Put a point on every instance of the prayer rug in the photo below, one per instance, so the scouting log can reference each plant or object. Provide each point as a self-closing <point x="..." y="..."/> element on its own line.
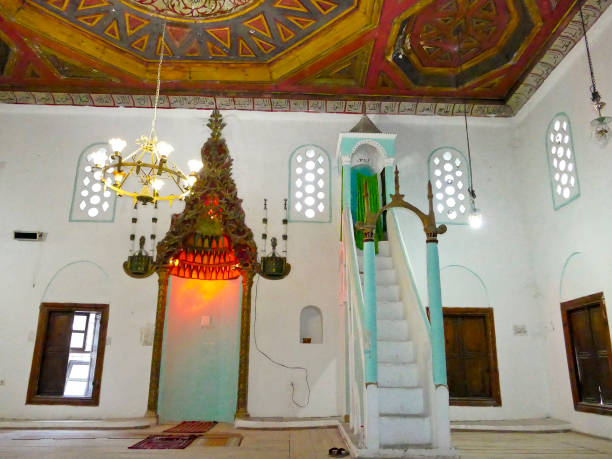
<point x="221" y="440"/>
<point x="165" y="442"/>
<point x="192" y="427"/>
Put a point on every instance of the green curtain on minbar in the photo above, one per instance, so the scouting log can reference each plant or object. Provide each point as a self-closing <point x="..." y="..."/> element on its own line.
<point x="374" y="200"/>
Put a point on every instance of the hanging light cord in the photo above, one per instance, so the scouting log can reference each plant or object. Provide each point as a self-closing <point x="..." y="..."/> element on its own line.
<point x="279" y="363"/>
<point x="467" y="134"/>
<point x="159" y="66"/>
<point x="467" y="138"/>
<point x="595" y="97"/>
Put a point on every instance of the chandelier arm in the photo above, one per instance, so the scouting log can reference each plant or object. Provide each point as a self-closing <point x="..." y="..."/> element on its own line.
<point x="171" y="171"/>
<point x="135" y="154"/>
<point x="178" y="184"/>
<point x="170" y="166"/>
<point x="132" y="167"/>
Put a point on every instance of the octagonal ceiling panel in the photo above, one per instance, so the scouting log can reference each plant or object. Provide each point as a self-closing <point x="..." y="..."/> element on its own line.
<point x="406" y="56"/>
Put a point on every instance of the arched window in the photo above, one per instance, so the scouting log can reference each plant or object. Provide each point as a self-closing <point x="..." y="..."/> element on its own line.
<point x="311" y="325"/>
<point x="90" y="201"/>
<point x="561" y="158"/>
<point x="449" y="176"/>
<point x="309" y="185"/>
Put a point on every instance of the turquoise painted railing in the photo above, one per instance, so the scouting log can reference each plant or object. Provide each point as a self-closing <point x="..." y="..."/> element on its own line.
<point x="392" y="213"/>
<point x="359" y="356"/>
<point x="438" y="354"/>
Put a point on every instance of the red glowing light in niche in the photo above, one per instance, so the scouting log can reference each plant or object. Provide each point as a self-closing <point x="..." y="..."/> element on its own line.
<point x="205" y="258"/>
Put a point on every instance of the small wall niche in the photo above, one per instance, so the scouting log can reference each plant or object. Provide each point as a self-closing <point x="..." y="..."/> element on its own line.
<point x="311" y="325"/>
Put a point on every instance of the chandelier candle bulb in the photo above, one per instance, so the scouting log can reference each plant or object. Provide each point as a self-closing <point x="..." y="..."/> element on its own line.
<point x="194" y="165"/>
<point x="164" y="148"/>
<point x="99" y="157"/>
<point x="117" y="144"/>
<point x="158" y="184"/>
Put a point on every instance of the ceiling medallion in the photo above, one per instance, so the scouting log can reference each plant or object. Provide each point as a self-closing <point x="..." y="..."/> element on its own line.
<point x="193" y="9"/>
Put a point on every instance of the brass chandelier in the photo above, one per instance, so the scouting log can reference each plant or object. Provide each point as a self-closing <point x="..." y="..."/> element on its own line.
<point x="144" y="172"/>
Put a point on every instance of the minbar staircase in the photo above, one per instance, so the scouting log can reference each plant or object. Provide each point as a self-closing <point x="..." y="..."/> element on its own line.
<point x="403" y="418"/>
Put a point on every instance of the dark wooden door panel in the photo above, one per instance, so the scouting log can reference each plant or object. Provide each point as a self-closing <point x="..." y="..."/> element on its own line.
<point x="473" y="334"/>
<point x="587" y="343"/>
<point x="455" y="377"/>
<point x="477" y="377"/>
<point x="54" y="363"/>
<point x="471" y="360"/>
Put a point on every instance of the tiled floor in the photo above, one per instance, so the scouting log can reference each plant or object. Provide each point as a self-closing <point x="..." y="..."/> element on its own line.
<point x="282" y="444"/>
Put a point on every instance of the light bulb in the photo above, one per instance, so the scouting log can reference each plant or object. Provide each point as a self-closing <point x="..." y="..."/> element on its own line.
<point x="601" y="130"/>
<point x="157" y="184"/>
<point x="475" y="218"/>
<point x="194" y="165"/>
<point x="99" y="157"/>
<point x="117" y="144"/>
<point x="164" y="148"/>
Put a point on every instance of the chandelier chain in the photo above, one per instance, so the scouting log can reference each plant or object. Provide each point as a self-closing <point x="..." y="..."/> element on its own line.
<point x="159" y="66"/>
<point x="588" y="51"/>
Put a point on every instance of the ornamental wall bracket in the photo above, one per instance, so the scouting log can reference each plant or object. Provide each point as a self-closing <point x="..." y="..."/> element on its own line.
<point x="428" y="220"/>
<point x="273" y="267"/>
<point x="139" y="265"/>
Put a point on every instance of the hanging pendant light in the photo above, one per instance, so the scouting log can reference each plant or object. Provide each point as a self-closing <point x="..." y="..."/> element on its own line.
<point x="143" y="173"/>
<point x="475" y="216"/>
<point x="600" y="126"/>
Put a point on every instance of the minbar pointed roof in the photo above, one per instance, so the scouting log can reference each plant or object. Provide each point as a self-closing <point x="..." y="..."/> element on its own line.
<point x="366" y="126"/>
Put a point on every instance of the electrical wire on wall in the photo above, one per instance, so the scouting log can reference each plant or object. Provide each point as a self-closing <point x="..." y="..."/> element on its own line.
<point x="276" y="362"/>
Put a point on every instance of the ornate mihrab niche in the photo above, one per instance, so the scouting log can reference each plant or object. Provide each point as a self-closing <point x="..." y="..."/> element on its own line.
<point x="193" y="9"/>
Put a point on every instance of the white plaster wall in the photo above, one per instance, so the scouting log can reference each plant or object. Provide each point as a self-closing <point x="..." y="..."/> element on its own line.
<point x="517" y="254"/>
<point x="39" y="153"/>
<point x="582" y="226"/>
<point x="497" y="253"/>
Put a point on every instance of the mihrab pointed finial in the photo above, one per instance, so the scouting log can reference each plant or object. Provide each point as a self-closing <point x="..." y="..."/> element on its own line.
<point x="396" y="180"/>
<point x="216" y="124"/>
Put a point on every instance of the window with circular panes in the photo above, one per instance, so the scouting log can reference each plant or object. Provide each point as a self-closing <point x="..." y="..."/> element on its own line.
<point x="561" y="158"/>
<point x="309" y="185"/>
<point x="449" y="176"/>
<point x="90" y="201"/>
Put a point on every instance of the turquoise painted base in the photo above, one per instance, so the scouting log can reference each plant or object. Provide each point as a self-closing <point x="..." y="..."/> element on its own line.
<point x="199" y="373"/>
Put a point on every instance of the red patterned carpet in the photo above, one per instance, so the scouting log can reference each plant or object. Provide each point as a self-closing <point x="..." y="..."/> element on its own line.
<point x="192" y="427"/>
<point x="165" y="442"/>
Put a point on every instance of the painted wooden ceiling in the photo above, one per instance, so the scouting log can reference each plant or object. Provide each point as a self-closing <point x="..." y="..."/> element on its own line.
<point x="395" y="56"/>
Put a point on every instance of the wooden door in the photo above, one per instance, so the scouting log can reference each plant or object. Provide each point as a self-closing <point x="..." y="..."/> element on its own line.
<point x="471" y="358"/>
<point x="587" y="340"/>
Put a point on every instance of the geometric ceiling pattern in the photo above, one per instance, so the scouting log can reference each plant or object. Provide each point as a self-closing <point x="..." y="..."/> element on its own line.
<point x="400" y="56"/>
